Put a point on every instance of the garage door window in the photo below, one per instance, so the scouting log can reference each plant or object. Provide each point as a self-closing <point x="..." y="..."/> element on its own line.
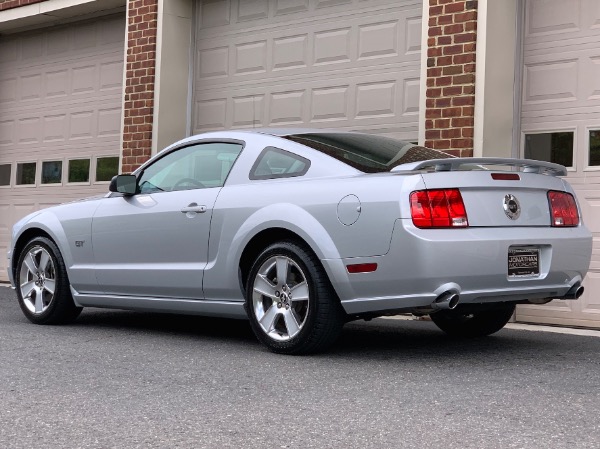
<point x="106" y="168"/>
<point x="594" y="148"/>
<point x="51" y="172"/>
<point x="5" y="174"/>
<point x="79" y="170"/>
<point x="26" y="173"/>
<point x="554" y="147"/>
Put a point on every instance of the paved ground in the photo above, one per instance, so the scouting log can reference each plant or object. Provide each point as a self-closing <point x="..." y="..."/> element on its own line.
<point x="129" y="380"/>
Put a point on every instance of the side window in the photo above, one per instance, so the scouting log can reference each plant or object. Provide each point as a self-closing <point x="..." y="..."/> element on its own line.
<point x="195" y="167"/>
<point x="275" y="163"/>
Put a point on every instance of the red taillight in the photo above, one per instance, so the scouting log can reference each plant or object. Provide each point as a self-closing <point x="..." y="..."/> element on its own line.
<point x="563" y="209"/>
<point x="439" y="208"/>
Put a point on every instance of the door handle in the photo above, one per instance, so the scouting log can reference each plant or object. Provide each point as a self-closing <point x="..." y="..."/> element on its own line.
<point x="193" y="207"/>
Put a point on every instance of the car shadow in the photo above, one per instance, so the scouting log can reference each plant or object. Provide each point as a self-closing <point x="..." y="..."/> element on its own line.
<point x="180" y="326"/>
<point x="412" y="338"/>
<point x="379" y="338"/>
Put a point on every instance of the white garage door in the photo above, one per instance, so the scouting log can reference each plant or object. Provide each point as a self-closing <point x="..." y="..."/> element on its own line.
<point x="561" y="123"/>
<point x="60" y="116"/>
<point x="350" y="64"/>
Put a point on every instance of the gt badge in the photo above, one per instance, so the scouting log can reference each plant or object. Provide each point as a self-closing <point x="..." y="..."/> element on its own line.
<point x="512" y="208"/>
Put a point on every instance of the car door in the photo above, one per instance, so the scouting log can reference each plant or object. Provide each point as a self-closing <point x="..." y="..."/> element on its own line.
<point x="155" y="243"/>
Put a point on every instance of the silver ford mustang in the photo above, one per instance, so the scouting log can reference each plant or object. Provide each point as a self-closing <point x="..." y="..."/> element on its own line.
<point x="303" y="230"/>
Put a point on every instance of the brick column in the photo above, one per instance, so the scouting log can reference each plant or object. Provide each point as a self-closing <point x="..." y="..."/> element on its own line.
<point x="450" y="95"/>
<point x="8" y="4"/>
<point x="138" y="109"/>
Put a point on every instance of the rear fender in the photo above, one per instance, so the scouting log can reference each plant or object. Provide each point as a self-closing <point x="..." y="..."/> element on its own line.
<point x="226" y="253"/>
<point x="299" y="222"/>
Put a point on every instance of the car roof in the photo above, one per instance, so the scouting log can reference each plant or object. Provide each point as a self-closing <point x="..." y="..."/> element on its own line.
<point x="281" y="132"/>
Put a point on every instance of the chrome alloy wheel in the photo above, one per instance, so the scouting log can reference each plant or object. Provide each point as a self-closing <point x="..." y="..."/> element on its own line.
<point x="280" y="298"/>
<point x="37" y="280"/>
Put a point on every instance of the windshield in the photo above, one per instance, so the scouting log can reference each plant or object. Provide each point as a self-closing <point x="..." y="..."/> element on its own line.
<point x="365" y="152"/>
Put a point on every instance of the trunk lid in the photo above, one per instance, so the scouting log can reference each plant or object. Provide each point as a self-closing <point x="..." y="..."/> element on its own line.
<point x="500" y="202"/>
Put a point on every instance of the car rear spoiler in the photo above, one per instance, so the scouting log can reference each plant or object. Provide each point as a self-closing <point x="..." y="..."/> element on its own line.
<point x="455" y="164"/>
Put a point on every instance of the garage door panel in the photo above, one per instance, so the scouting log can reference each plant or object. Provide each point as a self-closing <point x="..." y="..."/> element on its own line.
<point x="591" y="76"/>
<point x="566" y="80"/>
<point x="96" y="123"/>
<point x="561" y="92"/>
<point x="391" y="38"/>
<point x="63" y="148"/>
<point x="552" y="16"/>
<point x="88" y="81"/>
<point x="60" y="100"/>
<point x="365" y="100"/>
<point x="218" y="16"/>
<point x="551" y="81"/>
<point x="590" y="305"/>
<point x="8" y="91"/>
<point x="548" y="19"/>
<point x="583" y="312"/>
<point x="556" y="308"/>
<point x="352" y="64"/>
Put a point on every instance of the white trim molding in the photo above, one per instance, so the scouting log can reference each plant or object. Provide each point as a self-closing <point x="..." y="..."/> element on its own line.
<point x="55" y="12"/>
<point x="497" y="45"/>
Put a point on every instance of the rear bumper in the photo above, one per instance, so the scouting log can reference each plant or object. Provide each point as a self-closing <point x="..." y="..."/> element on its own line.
<point x="424" y="263"/>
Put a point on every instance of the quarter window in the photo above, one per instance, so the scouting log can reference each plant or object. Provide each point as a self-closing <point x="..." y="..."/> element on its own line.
<point x="26" y="173"/>
<point x="197" y="166"/>
<point x="276" y="163"/>
<point x="51" y="172"/>
<point x="5" y="174"/>
<point x="554" y="147"/>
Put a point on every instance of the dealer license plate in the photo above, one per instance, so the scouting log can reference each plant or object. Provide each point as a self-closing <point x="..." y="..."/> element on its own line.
<point x="523" y="262"/>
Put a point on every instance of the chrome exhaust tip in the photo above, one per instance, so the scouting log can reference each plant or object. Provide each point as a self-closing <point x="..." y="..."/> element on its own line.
<point x="575" y="292"/>
<point x="446" y="301"/>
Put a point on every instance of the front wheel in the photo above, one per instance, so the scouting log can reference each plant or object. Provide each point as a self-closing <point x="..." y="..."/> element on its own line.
<point x="473" y="323"/>
<point x="42" y="284"/>
<point x="290" y="303"/>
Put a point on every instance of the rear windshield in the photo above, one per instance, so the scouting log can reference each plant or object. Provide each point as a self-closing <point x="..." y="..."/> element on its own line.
<point x="365" y="152"/>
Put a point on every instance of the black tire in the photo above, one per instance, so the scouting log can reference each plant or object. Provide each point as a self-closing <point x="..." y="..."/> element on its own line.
<point x="471" y="323"/>
<point x="320" y="317"/>
<point x="55" y="308"/>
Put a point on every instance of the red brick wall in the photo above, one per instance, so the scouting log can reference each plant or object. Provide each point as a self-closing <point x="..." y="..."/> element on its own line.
<point x="138" y="109"/>
<point x="450" y="95"/>
<point x="8" y="4"/>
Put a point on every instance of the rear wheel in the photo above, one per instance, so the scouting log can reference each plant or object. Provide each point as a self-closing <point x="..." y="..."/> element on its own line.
<point x="473" y="323"/>
<point x="42" y="284"/>
<point x="290" y="303"/>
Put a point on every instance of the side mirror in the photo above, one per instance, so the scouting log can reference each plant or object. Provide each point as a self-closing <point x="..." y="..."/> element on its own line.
<point x="125" y="184"/>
